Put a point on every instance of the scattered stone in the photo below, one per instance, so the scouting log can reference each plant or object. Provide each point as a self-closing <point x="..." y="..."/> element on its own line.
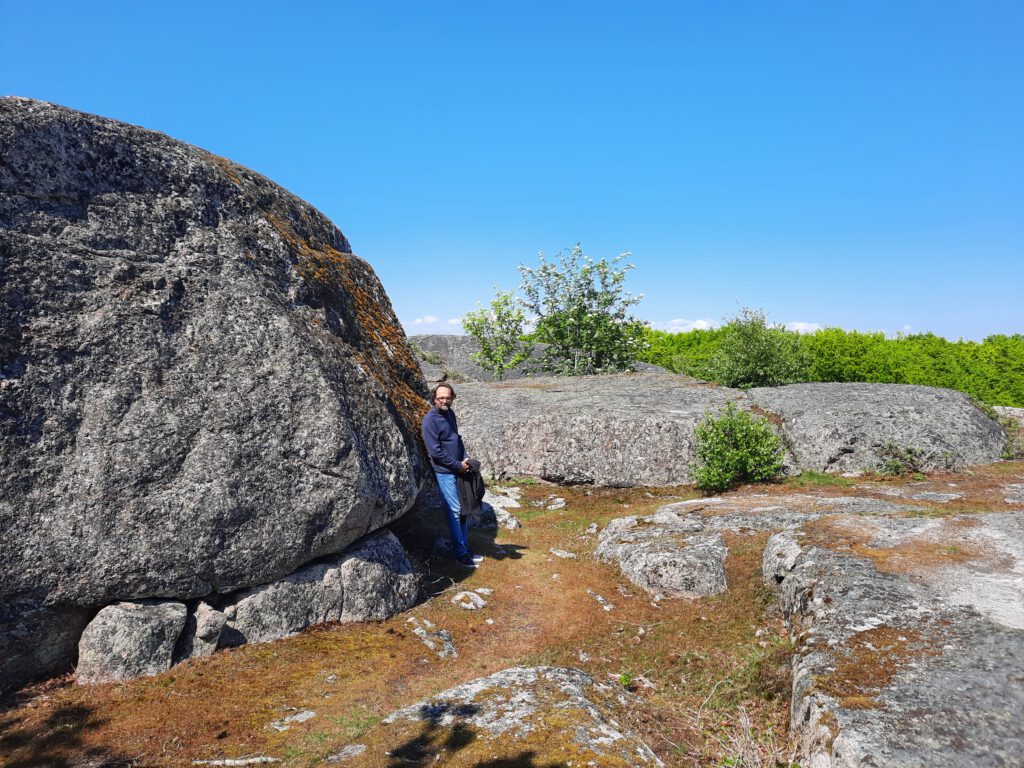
<point x="556" y="503"/>
<point x="469" y="601"/>
<point x="440" y="641"/>
<point x="605" y="603"/>
<point x="496" y="508"/>
<point x="130" y="639"/>
<point x="352" y="750"/>
<point x="562" y="553"/>
<point x="666" y="553"/>
<point x="371" y="580"/>
<point x="202" y="633"/>
<point x="484" y="591"/>
<point x="239" y="761"/>
<point x="559" y="716"/>
<point x="592" y="529"/>
<point x="299" y="717"/>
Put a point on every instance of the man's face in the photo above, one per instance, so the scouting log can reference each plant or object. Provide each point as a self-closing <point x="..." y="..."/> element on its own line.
<point x="443" y="399"/>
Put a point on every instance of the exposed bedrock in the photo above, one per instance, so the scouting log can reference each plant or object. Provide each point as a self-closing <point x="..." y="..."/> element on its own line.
<point x="519" y="716"/>
<point x="847" y="427"/>
<point x="201" y="387"/>
<point x="909" y="652"/>
<point x="637" y="429"/>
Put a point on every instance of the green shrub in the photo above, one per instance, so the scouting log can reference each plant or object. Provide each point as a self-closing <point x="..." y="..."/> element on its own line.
<point x="735" y="447"/>
<point x="753" y="353"/>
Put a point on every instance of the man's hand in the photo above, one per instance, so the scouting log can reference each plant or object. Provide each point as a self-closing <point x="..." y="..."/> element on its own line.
<point x="464" y="466"/>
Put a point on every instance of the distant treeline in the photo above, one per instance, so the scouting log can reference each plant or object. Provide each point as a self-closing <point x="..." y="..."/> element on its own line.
<point x="991" y="371"/>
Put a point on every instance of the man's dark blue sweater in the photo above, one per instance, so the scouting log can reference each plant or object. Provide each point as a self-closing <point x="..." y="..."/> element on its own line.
<point x="444" y="446"/>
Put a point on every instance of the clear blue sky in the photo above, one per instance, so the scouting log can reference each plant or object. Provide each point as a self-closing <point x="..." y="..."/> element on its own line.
<point x="858" y="164"/>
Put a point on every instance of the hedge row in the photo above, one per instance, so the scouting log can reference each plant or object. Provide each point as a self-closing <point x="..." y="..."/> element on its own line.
<point x="991" y="371"/>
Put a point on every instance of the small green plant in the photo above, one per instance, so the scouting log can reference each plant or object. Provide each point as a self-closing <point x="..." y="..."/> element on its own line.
<point x="735" y="447"/>
<point x="897" y="460"/>
<point x="1014" y="448"/>
<point x="428" y="357"/>
<point x="625" y="679"/>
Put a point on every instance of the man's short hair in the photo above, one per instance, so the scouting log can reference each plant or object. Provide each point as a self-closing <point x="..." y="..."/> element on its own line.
<point x="442" y="385"/>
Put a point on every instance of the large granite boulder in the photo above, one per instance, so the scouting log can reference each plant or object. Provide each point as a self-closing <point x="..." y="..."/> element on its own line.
<point x="450" y="356"/>
<point x="201" y="387"/>
<point x="616" y="430"/>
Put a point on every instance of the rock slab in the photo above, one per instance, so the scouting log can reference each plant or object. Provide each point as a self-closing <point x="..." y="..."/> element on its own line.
<point x="201" y="387"/>
<point x="894" y="669"/>
<point x="371" y="580"/>
<point x="519" y="716"/>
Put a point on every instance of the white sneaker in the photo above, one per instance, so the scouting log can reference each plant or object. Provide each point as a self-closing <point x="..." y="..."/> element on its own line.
<point x="478" y="559"/>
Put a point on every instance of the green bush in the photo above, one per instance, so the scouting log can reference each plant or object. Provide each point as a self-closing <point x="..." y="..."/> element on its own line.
<point x="735" y="447"/>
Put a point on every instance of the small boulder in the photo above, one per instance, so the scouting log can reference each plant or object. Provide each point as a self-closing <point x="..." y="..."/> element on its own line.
<point x="130" y="639"/>
<point x="666" y="554"/>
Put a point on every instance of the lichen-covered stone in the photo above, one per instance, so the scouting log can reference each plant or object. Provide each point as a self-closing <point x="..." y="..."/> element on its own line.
<point x="201" y="387"/>
<point x="519" y="716"/>
<point x="371" y="580"/>
<point x="846" y="427"/>
<point x="129" y="639"/>
<point x="666" y="554"/>
<point x="201" y="634"/>
<point x="900" y="668"/>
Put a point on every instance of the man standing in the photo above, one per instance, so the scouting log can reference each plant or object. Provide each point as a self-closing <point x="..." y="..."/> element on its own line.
<point x="448" y="458"/>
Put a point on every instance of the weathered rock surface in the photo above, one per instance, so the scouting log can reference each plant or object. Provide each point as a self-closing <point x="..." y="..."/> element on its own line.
<point x="129" y="639"/>
<point x="371" y="580"/>
<point x="519" y="716"/>
<point x="666" y="553"/>
<point x="843" y="427"/>
<point x="637" y="429"/>
<point x="904" y="654"/>
<point x="618" y="430"/>
<point x="201" y="387"/>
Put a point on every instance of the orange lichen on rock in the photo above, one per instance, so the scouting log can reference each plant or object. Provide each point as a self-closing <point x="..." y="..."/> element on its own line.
<point x="869" y="663"/>
<point x="949" y="545"/>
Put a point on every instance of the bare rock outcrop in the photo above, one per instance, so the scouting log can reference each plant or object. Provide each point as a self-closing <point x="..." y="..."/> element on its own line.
<point x="909" y="639"/>
<point x="519" y="716"/>
<point x="638" y="429"/>
<point x="856" y="427"/>
<point x="666" y="553"/>
<point x="201" y="387"/>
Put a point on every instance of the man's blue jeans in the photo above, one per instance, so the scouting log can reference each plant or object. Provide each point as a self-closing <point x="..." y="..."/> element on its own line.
<point x="458" y="526"/>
